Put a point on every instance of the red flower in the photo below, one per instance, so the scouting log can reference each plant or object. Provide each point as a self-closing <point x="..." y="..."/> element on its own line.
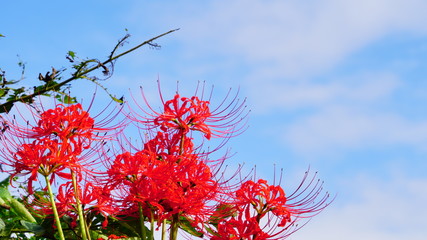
<point x="184" y="114"/>
<point x="42" y="156"/>
<point x="65" y="122"/>
<point x="239" y="229"/>
<point x="62" y="138"/>
<point x="262" y="211"/>
<point x="181" y="115"/>
<point x="264" y="198"/>
<point x="169" y="144"/>
<point x="94" y="199"/>
<point x="175" y="184"/>
<point x="112" y="236"/>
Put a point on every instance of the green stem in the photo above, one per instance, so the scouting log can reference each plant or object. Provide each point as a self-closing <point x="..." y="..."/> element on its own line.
<point x="82" y="221"/>
<point x="142" y="222"/>
<point x="164" y="230"/>
<point x="55" y="211"/>
<point x="174" y="227"/>
<point x="152" y="226"/>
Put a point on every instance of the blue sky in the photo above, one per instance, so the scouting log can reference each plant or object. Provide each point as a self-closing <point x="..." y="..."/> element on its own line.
<point x="336" y="85"/>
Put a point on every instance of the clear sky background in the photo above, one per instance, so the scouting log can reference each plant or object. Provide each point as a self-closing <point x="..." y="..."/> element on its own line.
<point x="337" y="85"/>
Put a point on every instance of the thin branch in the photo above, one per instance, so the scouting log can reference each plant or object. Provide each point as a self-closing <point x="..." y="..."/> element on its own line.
<point x="83" y="73"/>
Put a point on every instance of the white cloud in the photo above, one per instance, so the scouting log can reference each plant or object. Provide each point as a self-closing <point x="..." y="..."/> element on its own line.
<point x="383" y="210"/>
<point x="366" y="88"/>
<point x="329" y="118"/>
<point x="285" y="43"/>
<point x="298" y="37"/>
<point x="338" y="128"/>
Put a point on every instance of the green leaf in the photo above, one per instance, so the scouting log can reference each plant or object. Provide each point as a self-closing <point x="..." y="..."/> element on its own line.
<point x="6" y="107"/>
<point x="210" y="230"/>
<point x="64" y="98"/>
<point x="5" y="194"/>
<point x="185" y="225"/>
<point x="21" y="210"/>
<point x="2" y="225"/>
<point x="96" y="235"/>
<point x="5" y="183"/>
<point x="124" y="225"/>
<point x="3" y="203"/>
<point x="71" y="54"/>
<point x="10" y="225"/>
<point x="33" y="227"/>
<point x="18" y="91"/>
<point x="47" y="224"/>
<point x="222" y="211"/>
<point x="1" y="35"/>
<point x="52" y="84"/>
<point x="3" y="92"/>
<point x="119" y="100"/>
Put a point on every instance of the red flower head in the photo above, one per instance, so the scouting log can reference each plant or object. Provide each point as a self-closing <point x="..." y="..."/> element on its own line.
<point x="65" y="122"/>
<point x="182" y="115"/>
<point x="58" y="143"/>
<point x="112" y="236"/>
<point x="264" y="198"/>
<point x="94" y="198"/>
<point x="173" y="184"/>
<point x="239" y="229"/>
<point x="42" y="156"/>
<point x="262" y="211"/>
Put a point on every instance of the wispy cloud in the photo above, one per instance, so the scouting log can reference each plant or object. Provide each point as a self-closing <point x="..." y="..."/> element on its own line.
<point x="381" y="210"/>
<point x="287" y="44"/>
<point x="361" y="89"/>
<point x="339" y="128"/>
<point x="298" y="37"/>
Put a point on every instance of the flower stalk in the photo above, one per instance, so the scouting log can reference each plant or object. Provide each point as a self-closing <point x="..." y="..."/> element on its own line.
<point x="82" y="221"/>
<point x="174" y="227"/>
<point x="54" y="209"/>
<point x="142" y="222"/>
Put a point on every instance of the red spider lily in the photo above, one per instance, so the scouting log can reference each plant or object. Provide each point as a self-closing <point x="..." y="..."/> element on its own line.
<point x="48" y="157"/>
<point x="170" y="177"/>
<point x="112" y="236"/>
<point x="239" y="229"/>
<point x="42" y="156"/>
<point x="62" y="137"/>
<point x="65" y="122"/>
<point x="184" y="114"/>
<point x="181" y="115"/>
<point x="69" y="124"/>
<point x="65" y="204"/>
<point x="95" y="199"/>
<point x="175" y="184"/>
<point x="264" y="198"/>
<point x="262" y="211"/>
<point x="165" y="143"/>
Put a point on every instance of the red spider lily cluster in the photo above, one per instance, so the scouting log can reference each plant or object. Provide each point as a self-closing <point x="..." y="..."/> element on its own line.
<point x="170" y="182"/>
